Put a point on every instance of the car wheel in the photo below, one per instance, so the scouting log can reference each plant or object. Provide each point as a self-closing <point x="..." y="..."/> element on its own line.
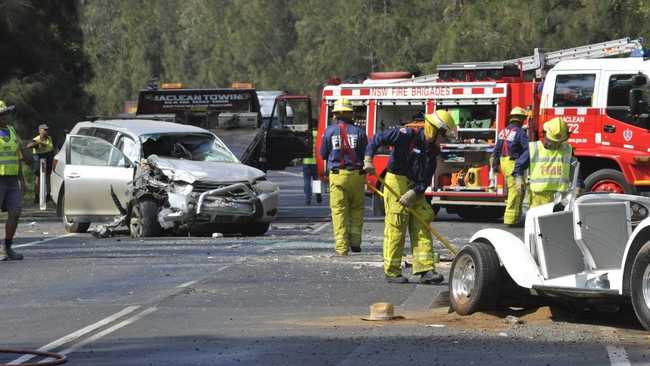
<point x="256" y="229"/>
<point x="144" y="219"/>
<point x="608" y="180"/>
<point x="474" y="279"/>
<point x="640" y="285"/>
<point x="71" y="226"/>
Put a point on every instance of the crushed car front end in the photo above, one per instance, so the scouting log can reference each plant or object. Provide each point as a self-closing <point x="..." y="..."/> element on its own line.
<point x="189" y="196"/>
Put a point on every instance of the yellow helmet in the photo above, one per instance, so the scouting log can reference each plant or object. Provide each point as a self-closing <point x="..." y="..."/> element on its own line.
<point x="556" y="130"/>
<point x="518" y="114"/>
<point x="342" y="105"/>
<point x="440" y="119"/>
<point x="4" y="108"/>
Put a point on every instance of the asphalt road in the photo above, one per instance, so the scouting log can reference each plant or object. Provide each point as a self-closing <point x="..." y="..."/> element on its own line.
<point x="280" y="299"/>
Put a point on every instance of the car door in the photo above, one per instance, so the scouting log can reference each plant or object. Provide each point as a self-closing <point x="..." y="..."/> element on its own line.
<point x="93" y="168"/>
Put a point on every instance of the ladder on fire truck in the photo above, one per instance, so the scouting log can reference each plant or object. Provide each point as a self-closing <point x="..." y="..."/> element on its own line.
<point x="541" y="60"/>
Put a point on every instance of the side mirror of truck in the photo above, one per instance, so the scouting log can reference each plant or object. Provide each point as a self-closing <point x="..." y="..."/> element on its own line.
<point x="639" y="80"/>
<point x="637" y="104"/>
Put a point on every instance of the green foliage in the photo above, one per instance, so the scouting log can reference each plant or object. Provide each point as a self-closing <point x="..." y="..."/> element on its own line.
<point x="43" y="67"/>
<point x="276" y="44"/>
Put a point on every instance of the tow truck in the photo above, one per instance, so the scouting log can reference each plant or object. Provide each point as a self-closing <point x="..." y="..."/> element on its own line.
<point x="234" y="114"/>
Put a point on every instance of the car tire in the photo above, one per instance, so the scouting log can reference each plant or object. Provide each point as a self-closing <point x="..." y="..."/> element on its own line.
<point x="255" y="229"/>
<point x="601" y="180"/>
<point x="474" y="280"/>
<point x="69" y="225"/>
<point x="640" y="285"/>
<point x="144" y="219"/>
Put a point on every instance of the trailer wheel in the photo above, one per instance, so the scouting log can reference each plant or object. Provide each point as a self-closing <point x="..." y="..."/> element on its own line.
<point x="608" y="180"/>
<point x="474" y="279"/>
<point x="144" y="219"/>
<point x="640" y="285"/>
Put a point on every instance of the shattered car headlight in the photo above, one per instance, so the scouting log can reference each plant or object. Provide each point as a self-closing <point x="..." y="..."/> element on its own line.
<point x="264" y="186"/>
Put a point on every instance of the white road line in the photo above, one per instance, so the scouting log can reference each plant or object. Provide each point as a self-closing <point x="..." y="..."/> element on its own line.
<point x="289" y="173"/>
<point x="320" y="228"/>
<point x="617" y="356"/>
<point x="32" y="243"/>
<point x="77" y="334"/>
<point x="187" y="284"/>
<point x="108" y="331"/>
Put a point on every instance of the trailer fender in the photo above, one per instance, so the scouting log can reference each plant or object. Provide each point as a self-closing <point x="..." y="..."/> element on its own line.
<point x="513" y="255"/>
<point x="638" y="238"/>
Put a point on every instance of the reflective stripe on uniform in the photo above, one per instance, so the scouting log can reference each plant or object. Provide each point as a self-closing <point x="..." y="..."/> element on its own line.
<point x="9" y="158"/>
<point x="549" y="169"/>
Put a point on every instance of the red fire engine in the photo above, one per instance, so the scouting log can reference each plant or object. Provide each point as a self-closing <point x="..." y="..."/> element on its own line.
<point x="604" y="101"/>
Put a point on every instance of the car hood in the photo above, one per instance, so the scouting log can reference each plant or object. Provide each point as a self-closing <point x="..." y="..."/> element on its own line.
<point x="211" y="171"/>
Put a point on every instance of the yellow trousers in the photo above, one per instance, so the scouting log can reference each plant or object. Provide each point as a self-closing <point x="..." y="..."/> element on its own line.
<point x="347" y="196"/>
<point x="398" y="221"/>
<point x="515" y="197"/>
<point x="541" y="198"/>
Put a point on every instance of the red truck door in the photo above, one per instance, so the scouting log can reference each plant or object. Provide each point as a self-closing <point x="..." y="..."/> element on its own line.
<point x="619" y="128"/>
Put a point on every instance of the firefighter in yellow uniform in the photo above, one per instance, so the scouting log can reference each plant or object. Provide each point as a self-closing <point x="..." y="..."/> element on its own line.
<point x="410" y="169"/>
<point x="511" y="147"/>
<point x="550" y="163"/>
<point x="342" y="147"/>
<point x="12" y="181"/>
<point x="42" y="148"/>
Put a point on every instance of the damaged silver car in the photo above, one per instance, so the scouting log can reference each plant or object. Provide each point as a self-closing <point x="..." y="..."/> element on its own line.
<point x="153" y="177"/>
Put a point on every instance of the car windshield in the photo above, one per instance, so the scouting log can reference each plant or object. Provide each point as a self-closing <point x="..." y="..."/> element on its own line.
<point x="196" y="146"/>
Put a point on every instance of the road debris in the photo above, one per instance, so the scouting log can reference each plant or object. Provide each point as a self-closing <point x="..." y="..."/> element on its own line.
<point x="511" y="319"/>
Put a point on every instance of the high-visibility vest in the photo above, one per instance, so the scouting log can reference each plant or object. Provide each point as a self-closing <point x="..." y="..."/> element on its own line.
<point x="9" y="154"/>
<point x="550" y="170"/>
<point x="311" y="159"/>
<point x="46" y="147"/>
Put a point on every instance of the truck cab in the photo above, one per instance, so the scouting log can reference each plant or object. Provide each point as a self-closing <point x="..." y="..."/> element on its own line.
<point x="604" y="102"/>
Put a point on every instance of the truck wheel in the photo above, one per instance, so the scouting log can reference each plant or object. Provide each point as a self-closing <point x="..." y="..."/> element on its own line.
<point x="474" y="279"/>
<point x="608" y="180"/>
<point x="255" y="229"/>
<point x="144" y="220"/>
<point x="69" y="224"/>
<point x="640" y="285"/>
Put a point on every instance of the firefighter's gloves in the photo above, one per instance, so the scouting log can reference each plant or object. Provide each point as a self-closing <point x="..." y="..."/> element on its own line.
<point x="519" y="183"/>
<point x="368" y="166"/>
<point x="408" y="198"/>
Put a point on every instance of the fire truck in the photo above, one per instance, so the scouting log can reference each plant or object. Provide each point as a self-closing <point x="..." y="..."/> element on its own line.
<point x="603" y="100"/>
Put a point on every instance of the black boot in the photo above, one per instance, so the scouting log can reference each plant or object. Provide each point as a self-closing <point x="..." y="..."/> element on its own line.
<point x="319" y="198"/>
<point x="430" y="277"/>
<point x="10" y="253"/>
<point x="356" y="249"/>
<point x="397" y="279"/>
